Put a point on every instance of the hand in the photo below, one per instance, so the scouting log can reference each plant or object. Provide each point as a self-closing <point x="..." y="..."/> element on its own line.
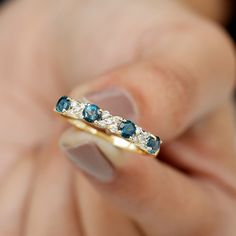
<point x="174" y="73"/>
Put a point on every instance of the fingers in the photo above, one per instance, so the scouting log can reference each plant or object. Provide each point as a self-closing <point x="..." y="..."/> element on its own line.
<point x="167" y="97"/>
<point x="182" y="73"/>
<point x="173" y="93"/>
<point x="161" y="200"/>
<point x="164" y="104"/>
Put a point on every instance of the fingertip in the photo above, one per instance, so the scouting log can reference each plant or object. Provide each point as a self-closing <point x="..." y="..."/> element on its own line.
<point x="92" y="155"/>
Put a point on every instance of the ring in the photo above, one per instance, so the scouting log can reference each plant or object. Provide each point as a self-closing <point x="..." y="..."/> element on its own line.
<point x="120" y="132"/>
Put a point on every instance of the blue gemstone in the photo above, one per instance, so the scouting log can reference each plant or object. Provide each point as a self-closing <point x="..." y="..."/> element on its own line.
<point x="154" y="144"/>
<point x="91" y="113"/>
<point x="63" y="104"/>
<point x="127" y="128"/>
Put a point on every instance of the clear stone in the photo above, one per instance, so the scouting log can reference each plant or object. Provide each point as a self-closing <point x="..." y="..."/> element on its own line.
<point x="142" y="139"/>
<point x="80" y="110"/>
<point x="143" y="136"/>
<point x="117" y="119"/>
<point x="114" y="125"/>
<point x="113" y="128"/>
<point x="74" y="104"/>
<point x="139" y="135"/>
<point x="101" y="123"/>
<point x="144" y="146"/>
<point x="135" y="139"/>
<point x="139" y="130"/>
<point x="110" y="122"/>
<point x="76" y="109"/>
<point x="104" y="123"/>
<point x="105" y="114"/>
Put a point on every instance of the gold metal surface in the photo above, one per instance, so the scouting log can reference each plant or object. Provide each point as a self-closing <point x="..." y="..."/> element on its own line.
<point x="115" y="140"/>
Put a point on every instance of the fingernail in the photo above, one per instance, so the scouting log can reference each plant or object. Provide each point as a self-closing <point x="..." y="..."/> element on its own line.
<point x="116" y="101"/>
<point x="91" y="160"/>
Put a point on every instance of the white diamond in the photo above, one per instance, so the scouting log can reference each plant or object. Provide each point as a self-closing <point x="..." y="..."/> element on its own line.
<point x="143" y="146"/>
<point x="101" y="123"/>
<point x="76" y="109"/>
<point x="142" y="137"/>
<point x="104" y="122"/>
<point x="117" y="119"/>
<point x="109" y="121"/>
<point x="135" y="139"/>
<point x="105" y="114"/>
<point x="113" y="128"/>
<point x="74" y="104"/>
<point x="139" y="130"/>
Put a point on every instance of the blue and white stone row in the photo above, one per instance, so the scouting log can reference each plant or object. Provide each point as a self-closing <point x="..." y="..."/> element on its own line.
<point x="116" y="125"/>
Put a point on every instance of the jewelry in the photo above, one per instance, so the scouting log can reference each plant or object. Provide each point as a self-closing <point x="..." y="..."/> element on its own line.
<point x="120" y="132"/>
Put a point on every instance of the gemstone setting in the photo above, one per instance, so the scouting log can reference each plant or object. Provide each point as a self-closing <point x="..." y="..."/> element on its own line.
<point x="76" y="109"/>
<point x="63" y="104"/>
<point x="91" y="113"/>
<point x="127" y="129"/>
<point x="81" y="110"/>
<point x="153" y="144"/>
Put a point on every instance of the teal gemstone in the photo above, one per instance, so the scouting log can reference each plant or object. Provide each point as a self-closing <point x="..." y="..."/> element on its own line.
<point x="154" y="144"/>
<point x="127" y="129"/>
<point x="63" y="104"/>
<point x="91" y="113"/>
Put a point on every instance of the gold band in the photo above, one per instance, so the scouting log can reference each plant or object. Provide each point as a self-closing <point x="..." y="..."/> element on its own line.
<point x="113" y="139"/>
<point x="119" y="132"/>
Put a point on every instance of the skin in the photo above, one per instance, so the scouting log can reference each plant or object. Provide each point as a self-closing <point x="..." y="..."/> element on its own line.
<point x="48" y="48"/>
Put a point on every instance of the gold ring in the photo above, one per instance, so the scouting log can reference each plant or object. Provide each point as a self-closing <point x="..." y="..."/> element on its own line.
<point x="118" y="131"/>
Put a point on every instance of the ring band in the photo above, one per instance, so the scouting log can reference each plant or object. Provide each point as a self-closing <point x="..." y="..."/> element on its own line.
<point x="120" y="132"/>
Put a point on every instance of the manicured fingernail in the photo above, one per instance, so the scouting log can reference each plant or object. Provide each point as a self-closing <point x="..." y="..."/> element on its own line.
<point x="91" y="160"/>
<point x="116" y="101"/>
